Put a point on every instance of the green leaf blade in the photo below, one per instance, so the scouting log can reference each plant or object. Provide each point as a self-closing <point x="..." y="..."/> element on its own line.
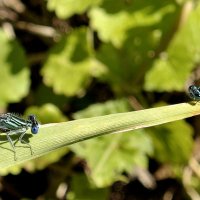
<point x="54" y="136"/>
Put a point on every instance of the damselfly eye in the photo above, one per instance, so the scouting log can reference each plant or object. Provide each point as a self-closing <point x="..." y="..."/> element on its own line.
<point x="34" y="129"/>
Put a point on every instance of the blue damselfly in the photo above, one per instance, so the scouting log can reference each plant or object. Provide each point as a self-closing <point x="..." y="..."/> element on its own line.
<point x="12" y="124"/>
<point x="194" y="92"/>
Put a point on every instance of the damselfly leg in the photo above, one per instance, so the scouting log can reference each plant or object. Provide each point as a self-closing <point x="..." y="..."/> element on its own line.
<point x="22" y="132"/>
<point x="24" y="142"/>
<point x="11" y="124"/>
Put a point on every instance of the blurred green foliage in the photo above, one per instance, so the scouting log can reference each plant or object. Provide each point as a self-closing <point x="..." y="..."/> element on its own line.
<point x="14" y="74"/>
<point x="113" y="154"/>
<point x="130" y="47"/>
<point x="85" y="191"/>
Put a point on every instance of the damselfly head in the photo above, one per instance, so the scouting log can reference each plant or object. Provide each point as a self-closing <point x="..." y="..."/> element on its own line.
<point x="35" y="125"/>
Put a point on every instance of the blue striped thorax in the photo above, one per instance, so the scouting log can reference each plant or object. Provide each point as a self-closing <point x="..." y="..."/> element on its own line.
<point x="11" y="121"/>
<point x="194" y="92"/>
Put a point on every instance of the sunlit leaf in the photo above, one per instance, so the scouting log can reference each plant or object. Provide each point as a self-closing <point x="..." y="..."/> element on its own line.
<point x="173" y="142"/>
<point x="36" y="164"/>
<point x="112" y="106"/>
<point x="108" y="27"/>
<point x="69" y="67"/>
<point x="130" y="41"/>
<point x="56" y="135"/>
<point x="47" y="113"/>
<point x="112" y="23"/>
<point x="14" y="74"/>
<point x="174" y="66"/>
<point x="108" y="157"/>
<point x="67" y="8"/>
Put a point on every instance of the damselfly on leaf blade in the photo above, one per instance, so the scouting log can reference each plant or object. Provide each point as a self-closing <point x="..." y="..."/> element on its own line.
<point x="11" y="124"/>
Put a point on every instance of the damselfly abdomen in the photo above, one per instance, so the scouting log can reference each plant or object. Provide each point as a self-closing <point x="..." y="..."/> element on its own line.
<point x="12" y="124"/>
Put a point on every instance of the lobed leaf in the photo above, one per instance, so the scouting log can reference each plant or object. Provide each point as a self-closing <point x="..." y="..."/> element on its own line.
<point x="67" y="8"/>
<point x="175" y="65"/>
<point x="14" y="74"/>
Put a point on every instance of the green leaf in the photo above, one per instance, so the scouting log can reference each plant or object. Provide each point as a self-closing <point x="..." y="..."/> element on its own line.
<point x="69" y="67"/>
<point x="47" y="113"/>
<point x="14" y="76"/>
<point x="107" y="25"/>
<point x="112" y="23"/>
<point x="98" y="109"/>
<point x="175" y="65"/>
<point x="173" y="142"/>
<point x="116" y="153"/>
<point x="109" y="156"/>
<point x="45" y="94"/>
<point x="56" y="135"/>
<point x="113" y="154"/>
<point x="121" y="79"/>
<point x="85" y="191"/>
<point x="36" y="164"/>
<point x="129" y="54"/>
<point x="67" y="8"/>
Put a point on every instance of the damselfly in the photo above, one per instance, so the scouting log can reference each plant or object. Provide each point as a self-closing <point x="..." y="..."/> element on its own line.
<point x="12" y="124"/>
<point x="194" y="92"/>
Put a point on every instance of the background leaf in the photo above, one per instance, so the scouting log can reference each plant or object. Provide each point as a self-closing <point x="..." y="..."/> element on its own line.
<point x="67" y="8"/>
<point x="85" y="191"/>
<point x="106" y="19"/>
<point x="178" y="60"/>
<point x="109" y="156"/>
<point x="71" y="62"/>
<point x="47" y="113"/>
<point x="14" y="76"/>
<point x="173" y="142"/>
